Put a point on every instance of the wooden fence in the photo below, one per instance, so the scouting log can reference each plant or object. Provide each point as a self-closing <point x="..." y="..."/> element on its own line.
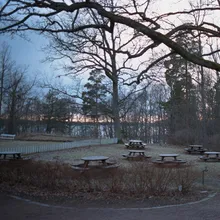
<point x="58" y="146"/>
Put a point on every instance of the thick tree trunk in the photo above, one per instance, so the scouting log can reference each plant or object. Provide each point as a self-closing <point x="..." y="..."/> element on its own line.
<point x="12" y="120"/>
<point x="1" y="90"/>
<point x="115" y="106"/>
<point x="204" y="117"/>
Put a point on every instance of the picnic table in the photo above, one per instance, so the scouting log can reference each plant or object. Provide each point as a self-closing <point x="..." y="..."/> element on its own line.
<point x="163" y="156"/>
<point x="15" y="155"/>
<point x="211" y="156"/>
<point x="88" y="159"/>
<point x="140" y="154"/>
<point x="7" y="136"/>
<point x="173" y="159"/>
<point x="135" y="144"/>
<point x="196" y="148"/>
<point x="100" y="163"/>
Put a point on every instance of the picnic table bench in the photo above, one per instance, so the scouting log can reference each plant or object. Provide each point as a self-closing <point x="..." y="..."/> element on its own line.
<point x="211" y="156"/>
<point x="15" y="155"/>
<point x="7" y="136"/>
<point x="195" y="149"/>
<point x="136" y="154"/>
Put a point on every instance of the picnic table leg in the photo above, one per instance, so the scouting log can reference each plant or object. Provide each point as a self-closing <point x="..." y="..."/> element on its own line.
<point x="4" y="156"/>
<point x="86" y="163"/>
<point x="174" y="157"/>
<point x="13" y="156"/>
<point x="104" y="162"/>
<point x="162" y="158"/>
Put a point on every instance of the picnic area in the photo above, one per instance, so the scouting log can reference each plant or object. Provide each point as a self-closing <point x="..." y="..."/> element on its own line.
<point x="54" y="173"/>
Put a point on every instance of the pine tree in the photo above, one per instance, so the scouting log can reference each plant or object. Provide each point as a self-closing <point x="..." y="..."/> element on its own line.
<point x="94" y="97"/>
<point x="181" y="105"/>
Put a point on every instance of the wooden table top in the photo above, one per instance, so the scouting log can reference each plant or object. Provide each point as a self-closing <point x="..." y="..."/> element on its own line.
<point x="10" y="152"/>
<point x="195" y="145"/>
<point x="135" y="141"/>
<point x="211" y="152"/>
<point x="169" y="155"/>
<point x="136" y="151"/>
<point x="94" y="158"/>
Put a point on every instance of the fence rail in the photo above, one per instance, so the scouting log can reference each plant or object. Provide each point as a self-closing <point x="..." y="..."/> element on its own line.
<point x="61" y="146"/>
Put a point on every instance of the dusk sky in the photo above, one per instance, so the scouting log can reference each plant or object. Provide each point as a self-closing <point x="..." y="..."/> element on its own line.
<point x="29" y="54"/>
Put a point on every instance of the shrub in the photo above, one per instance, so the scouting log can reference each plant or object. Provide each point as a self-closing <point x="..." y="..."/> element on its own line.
<point x="139" y="180"/>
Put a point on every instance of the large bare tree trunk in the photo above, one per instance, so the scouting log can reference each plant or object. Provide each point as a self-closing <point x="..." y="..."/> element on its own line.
<point x="4" y="65"/>
<point x="12" y="119"/>
<point x="115" y="107"/>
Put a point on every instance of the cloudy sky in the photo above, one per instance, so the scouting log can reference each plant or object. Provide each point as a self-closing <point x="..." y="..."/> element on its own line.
<point x="31" y="55"/>
<point x="28" y="53"/>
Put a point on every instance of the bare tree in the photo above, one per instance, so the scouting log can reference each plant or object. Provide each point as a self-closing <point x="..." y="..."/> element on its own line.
<point x="46" y="16"/>
<point x="17" y="94"/>
<point x="101" y="50"/>
<point x="6" y="65"/>
<point x="158" y="29"/>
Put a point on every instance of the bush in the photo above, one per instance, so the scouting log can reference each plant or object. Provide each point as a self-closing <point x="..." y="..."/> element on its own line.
<point x="139" y="180"/>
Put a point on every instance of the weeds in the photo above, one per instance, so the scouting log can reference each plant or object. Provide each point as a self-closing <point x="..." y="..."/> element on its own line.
<point x="140" y="179"/>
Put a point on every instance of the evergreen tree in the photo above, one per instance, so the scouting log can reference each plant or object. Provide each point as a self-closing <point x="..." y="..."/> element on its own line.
<point x="94" y="97"/>
<point x="181" y="106"/>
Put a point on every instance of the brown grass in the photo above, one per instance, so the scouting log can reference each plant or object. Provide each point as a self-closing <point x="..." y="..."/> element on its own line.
<point x="138" y="180"/>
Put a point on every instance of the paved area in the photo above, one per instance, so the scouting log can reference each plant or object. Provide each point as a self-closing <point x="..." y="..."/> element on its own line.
<point x="19" y="209"/>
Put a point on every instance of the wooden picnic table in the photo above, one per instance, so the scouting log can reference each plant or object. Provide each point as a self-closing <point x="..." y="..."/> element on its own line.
<point x="135" y="144"/>
<point x="211" y="156"/>
<point x="175" y="161"/>
<point x="102" y="163"/>
<point x="16" y="155"/>
<point x="7" y="136"/>
<point x="163" y="156"/>
<point x="196" y="148"/>
<point x="88" y="159"/>
<point x="136" y="154"/>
